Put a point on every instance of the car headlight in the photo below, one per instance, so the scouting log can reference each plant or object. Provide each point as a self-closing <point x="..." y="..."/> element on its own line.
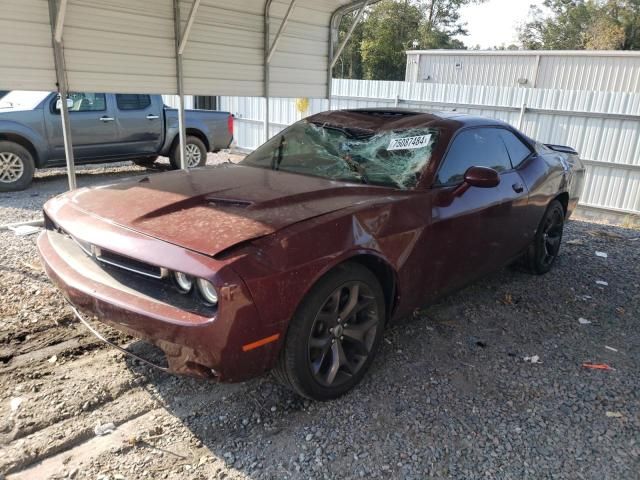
<point x="208" y="291"/>
<point x="184" y="281"/>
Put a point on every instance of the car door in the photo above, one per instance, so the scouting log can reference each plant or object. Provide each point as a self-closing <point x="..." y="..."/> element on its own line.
<point x="140" y="124"/>
<point x="474" y="230"/>
<point x="93" y="129"/>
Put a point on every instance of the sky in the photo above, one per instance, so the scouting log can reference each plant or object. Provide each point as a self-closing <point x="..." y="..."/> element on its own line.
<point x="494" y="22"/>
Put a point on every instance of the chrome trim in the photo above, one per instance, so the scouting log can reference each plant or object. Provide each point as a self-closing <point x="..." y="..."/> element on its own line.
<point x="80" y="243"/>
<point x="97" y="255"/>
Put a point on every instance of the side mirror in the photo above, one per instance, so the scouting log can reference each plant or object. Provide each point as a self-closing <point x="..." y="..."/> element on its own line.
<point x="59" y="104"/>
<point x="482" y="177"/>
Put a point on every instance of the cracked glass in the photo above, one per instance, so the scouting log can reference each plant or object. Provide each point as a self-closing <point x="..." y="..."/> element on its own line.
<point x="394" y="158"/>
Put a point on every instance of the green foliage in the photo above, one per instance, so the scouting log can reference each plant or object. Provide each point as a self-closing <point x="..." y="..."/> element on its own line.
<point x="389" y="28"/>
<point x="388" y="33"/>
<point x="583" y="24"/>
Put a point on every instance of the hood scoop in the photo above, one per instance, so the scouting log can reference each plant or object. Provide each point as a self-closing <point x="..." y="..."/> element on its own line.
<point x="227" y="202"/>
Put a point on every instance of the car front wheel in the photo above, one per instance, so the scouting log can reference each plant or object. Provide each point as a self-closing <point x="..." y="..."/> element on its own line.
<point x="16" y="167"/>
<point x="544" y="249"/>
<point x="334" y="335"/>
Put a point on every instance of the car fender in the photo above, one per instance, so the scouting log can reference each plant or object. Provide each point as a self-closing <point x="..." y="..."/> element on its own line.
<point x="281" y="260"/>
<point x="30" y="136"/>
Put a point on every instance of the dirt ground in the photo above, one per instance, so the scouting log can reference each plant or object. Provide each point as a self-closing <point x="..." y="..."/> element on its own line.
<point x="454" y="393"/>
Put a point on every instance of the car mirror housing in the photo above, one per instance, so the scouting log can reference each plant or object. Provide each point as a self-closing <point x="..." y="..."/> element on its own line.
<point x="482" y="177"/>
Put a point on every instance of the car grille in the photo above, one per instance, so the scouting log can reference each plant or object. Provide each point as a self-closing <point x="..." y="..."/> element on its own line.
<point x="150" y="280"/>
<point x="126" y="263"/>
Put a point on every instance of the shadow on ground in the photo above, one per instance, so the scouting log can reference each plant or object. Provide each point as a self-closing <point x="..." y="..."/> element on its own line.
<point x="451" y="393"/>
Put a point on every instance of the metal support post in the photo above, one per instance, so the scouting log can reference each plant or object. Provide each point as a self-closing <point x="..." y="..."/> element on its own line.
<point x="182" y="134"/>
<point x="56" y="17"/>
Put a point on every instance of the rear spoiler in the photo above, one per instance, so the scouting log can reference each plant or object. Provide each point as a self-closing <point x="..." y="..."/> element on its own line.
<point x="561" y="148"/>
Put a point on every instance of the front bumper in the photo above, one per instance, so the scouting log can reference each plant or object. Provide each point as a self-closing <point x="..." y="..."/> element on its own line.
<point x="193" y="344"/>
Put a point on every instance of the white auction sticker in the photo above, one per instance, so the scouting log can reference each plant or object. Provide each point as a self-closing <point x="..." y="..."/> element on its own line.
<point x="409" y="143"/>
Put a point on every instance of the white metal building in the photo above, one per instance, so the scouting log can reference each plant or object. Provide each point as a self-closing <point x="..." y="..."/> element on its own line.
<point x="613" y="71"/>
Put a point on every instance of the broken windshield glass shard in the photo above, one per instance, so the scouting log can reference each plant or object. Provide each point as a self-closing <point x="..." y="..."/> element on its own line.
<point x="390" y="158"/>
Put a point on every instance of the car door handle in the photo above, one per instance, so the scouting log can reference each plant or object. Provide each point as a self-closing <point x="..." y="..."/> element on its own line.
<point x="107" y="119"/>
<point x="518" y="187"/>
<point x="152" y="117"/>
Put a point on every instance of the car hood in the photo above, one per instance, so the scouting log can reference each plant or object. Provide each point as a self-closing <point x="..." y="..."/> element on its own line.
<point x="211" y="209"/>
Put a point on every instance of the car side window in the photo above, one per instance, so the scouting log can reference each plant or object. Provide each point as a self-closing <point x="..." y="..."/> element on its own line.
<point x="476" y="147"/>
<point x="133" y="101"/>
<point x="518" y="151"/>
<point x="83" y="102"/>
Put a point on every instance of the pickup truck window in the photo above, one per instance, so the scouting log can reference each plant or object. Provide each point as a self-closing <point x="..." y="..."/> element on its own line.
<point x="84" y="102"/>
<point x="133" y="102"/>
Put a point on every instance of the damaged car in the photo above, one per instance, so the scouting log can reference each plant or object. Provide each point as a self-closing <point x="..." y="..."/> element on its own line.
<point x="297" y="258"/>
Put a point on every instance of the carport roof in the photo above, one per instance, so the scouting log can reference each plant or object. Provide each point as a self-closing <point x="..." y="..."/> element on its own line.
<point x="130" y="46"/>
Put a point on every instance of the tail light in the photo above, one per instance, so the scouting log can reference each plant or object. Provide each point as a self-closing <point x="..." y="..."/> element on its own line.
<point x="230" y="124"/>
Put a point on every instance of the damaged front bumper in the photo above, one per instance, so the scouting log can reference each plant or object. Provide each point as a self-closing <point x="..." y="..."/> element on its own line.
<point x="193" y="344"/>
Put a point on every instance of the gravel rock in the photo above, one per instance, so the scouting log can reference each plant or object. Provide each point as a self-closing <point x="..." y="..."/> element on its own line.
<point x="449" y="395"/>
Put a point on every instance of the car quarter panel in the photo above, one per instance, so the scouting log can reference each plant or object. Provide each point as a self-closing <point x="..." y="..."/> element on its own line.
<point x="545" y="178"/>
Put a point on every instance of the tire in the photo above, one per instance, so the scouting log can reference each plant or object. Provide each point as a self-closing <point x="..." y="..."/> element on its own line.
<point x="145" y="161"/>
<point x="318" y="341"/>
<point x="543" y="251"/>
<point x="196" y="153"/>
<point x="16" y="167"/>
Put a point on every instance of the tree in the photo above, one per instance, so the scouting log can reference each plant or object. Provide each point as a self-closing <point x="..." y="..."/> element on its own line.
<point x="583" y="24"/>
<point x="390" y="27"/>
<point x="387" y="33"/>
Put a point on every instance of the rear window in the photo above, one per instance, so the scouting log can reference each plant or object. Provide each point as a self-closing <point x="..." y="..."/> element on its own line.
<point x="133" y="102"/>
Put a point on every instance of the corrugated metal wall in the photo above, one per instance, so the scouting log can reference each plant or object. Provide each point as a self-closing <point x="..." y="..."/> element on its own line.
<point x="129" y="46"/>
<point x="173" y="101"/>
<point x="603" y="126"/>
<point x="33" y="43"/>
<point x="595" y="71"/>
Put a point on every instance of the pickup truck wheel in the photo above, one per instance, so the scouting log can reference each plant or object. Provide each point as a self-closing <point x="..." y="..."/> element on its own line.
<point x="16" y="167"/>
<point x="335" y="334"/>
<point x="196" y="153"/>
<point x="145" y="161"/>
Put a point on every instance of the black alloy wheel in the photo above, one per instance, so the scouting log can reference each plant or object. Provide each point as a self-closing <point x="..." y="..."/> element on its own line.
<point x="334" y="335"/>
<point x="544" y="249"/>
<point x="343" y="334"/>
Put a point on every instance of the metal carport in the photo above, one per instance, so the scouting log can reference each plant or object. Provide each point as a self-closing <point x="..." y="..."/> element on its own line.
<point x="201" y="47"/>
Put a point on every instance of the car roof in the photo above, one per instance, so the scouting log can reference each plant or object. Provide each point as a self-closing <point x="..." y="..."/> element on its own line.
<point x="380" y="119"/>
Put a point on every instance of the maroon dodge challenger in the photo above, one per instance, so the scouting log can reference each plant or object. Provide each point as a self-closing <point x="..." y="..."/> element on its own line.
<point x="296" y="258"/>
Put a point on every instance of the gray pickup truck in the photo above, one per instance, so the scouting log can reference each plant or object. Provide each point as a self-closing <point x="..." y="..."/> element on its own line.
<point x="105" y="128"/>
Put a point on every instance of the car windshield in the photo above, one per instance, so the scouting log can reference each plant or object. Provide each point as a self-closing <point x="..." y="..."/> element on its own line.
<point x="390" y="158"/>
<point x="22" y="99"/>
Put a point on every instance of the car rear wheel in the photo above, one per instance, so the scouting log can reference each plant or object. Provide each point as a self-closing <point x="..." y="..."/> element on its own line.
<point x="544" y="249"/>
<point x="195" y="153"/>
<point x="334" y="336"/>
<point x="16" y="167"/>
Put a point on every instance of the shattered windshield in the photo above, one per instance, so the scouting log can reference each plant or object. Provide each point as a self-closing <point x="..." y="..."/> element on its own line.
<point x="390" y="158"/>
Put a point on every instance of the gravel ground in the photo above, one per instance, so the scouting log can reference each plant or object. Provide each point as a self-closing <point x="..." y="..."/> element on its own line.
<point x="451" y="395"/>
